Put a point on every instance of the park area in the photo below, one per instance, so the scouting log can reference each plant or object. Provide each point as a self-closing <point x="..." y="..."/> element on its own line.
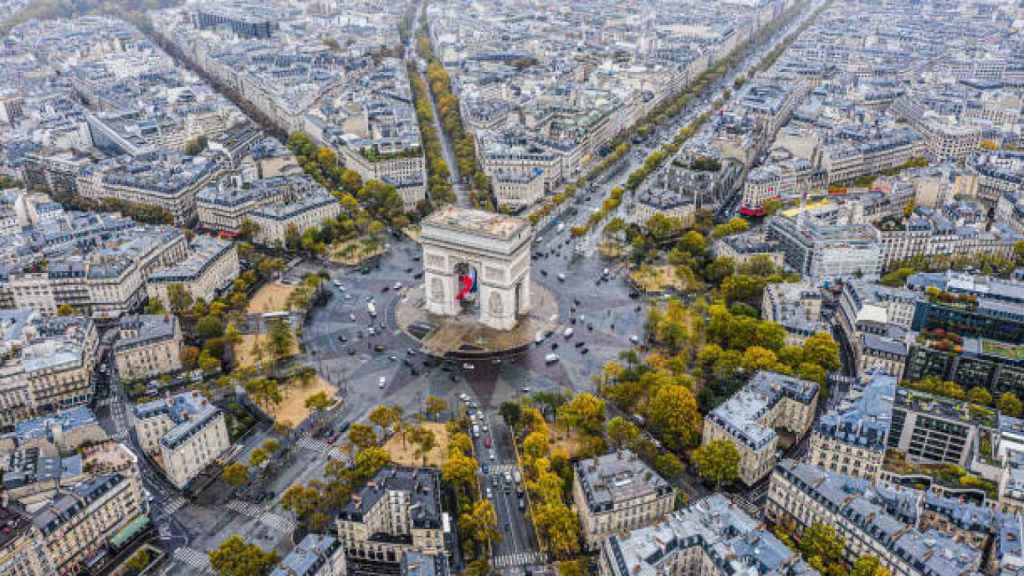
<point x="272" y="297"/>
<point x="563" y="440"/>
<point x="292" y="409"/>
<point x="252" y="350"/>
<point x="354" y="251"/>
<point x="657" y="279"/>
<point x="406" y="455"/>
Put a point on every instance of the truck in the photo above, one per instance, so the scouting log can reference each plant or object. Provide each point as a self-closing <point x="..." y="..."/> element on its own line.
<point x="371" y="308"/>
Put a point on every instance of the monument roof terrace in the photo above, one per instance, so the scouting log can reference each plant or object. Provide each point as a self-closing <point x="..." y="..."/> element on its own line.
<point x="479" y="222"/>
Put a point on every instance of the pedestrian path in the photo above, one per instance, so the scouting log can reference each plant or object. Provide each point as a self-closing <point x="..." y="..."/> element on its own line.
<point x="502" y="468"/>
<point x="518" y="559"/>
<point x="192" y="558"/>
<point x="174" y="504"/>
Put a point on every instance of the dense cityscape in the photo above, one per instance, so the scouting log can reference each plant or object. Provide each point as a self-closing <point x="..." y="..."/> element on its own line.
<point x="523" y="288"/>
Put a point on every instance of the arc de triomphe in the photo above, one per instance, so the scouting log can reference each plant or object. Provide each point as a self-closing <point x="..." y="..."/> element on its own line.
<point x="496" y="246"/>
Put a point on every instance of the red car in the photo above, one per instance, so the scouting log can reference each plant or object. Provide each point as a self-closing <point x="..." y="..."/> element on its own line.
<point x="487" y="441"/>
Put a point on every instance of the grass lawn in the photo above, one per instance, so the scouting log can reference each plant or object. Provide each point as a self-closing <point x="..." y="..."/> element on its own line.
<point x="272" y="297"/>
<point x="353" y="252"/>
<point x="657" y="278"/>
<point x="1002" y="349"/>
<point x="406" y="456"/>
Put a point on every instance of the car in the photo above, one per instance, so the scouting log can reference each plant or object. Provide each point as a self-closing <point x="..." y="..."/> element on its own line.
<point x="415" y="258"/>
<point x="351" y="352"/>
<point x="525" y="390"/>
<point x="378" y="348"/>
<point x="584" y="351"/>
<point x="543" y="272"/>
<point x="464" y="397"/>
<point x="382" y="382"/>
<point x="579" y="344"/>
<point x="491" y="455"/>
<point x="407" y="362"/>
<point x="634" y="339"/>
<point x="487" y="441"/>
<point x="393" y="358"/>
<point x="371" y="331"/>
<point x="418" y="275"/>
<point x="364" y="270"/>
<point x="342" y="338"/>
<point x="411" y="351"/>
<point x="352" y="317"/>
<point x="490" y="493"/>
<point x="342" y="288"/>
<point x="397" y="286"/>
<point x="554" y="345"/>
<point x="408" y="270"/>
<point x="468" y="366"/>
<point x="385" y="289"/>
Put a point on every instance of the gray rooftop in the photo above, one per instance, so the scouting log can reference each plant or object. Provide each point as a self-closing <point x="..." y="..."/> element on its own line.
<point x="616" y="478"/>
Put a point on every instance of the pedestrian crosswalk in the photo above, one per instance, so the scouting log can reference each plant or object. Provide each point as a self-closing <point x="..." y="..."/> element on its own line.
<point x="278" y="523"/>
<point x="191" y="557"/>
<point x="321" y="447"/>
<point x="502" y="468"/>
<point x="247" y="508"/>
<point x="174" y="504"/>
<point x="518" y="559"/>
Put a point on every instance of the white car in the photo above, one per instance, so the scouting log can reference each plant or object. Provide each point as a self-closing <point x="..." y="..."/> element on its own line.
<point x="397" y="286"/>
<point x="382" y="382"/>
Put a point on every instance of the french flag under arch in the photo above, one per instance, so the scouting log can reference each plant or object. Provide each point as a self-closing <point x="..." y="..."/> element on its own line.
<point x="468" y="282"/>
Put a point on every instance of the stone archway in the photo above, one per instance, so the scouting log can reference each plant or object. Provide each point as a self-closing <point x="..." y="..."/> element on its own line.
<point x="493" y="250"/>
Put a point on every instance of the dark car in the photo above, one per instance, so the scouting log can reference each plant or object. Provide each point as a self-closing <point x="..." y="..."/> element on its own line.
<point x="378" y="348"/>
<point x="342" y="338"/>
<point x="543" y="272"/>
<point x="584" y="351"/>
<point x="418" y="275"/>
<point x="385" y="289"/>
<point x="408" y="270"/>
<point x="351" y="352"/>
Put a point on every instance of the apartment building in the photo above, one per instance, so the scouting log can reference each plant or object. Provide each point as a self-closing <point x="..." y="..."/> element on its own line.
<point x="300" y="214"/>
<point x="184" y="433"/>
<point x="46" y="363"/>
<point x="166" y="180"/>
<point x="21" y="550"/>
<point x="801" y="495"/>
<point x="876" y="321"/>
<point x="929" y="428"/>
<point x="315" y="555"/>
<point x="617" y="492"/>
<point x="991" y="364"/>
<point x="819" y="251"/>
<point x="796" y="306"/>
<point x="746" y="246"/>
<point x="97" y="270"/>
<point x="147" y="345"/>
<point x="79" y="522"/>
<point x="516" y="190"/>
<point x="852" y="438"/>
<point x="398" y="511"/>
<point x="944" y="138"/>
<point x="844" y="161"/>
<point x="930" y="233"/>
<point x="749" y="418"/>
<point x="711" y="537"/>
<point x="210" y="268"/>
<point x="661" y="202"/>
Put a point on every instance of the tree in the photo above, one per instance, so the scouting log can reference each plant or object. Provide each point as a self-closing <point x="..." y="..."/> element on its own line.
<point x="510" y="412"/>
<point x="668" y="465"/>
<point x="179" y="299"/>
<point x="362" y="436"/>
<point x="822" y="547"/>
<point x="478" y="567"/>
<point x="717" y="461"/>
<point x="1009" y="404"/>
<point x="369" y="462"/>
<point x="65" y="310"/>
<point x="585" y="412"/>
<point x="300" y="500"/>
<point x="622" y="433"/>
<point x="236" y="474"/>
<point x="189" y="356"/>
<point x="559" y="526"/>
<point x="235" y="557"/>
<point x="318" y="402"/>
<point x="424" y="440"/>
<point x="577" y="567"/>
<point x="480" y="523"/>
<point x="435" y="406"/>
<point x="868" y="565"/>
<point x="673" y="413"/>
<point x="387" y="417"/>
<point x="979" y="395"/>
<point x="535" y="445"/>
<point x="258" y="457"/>
<point x="232" y="335"/>
<point x="822" y="350"/>
<point x="281" y="339"/>
<point x="459" y="470"/>
<point x="207" y="362"/>
<point x="209" y="327"/>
